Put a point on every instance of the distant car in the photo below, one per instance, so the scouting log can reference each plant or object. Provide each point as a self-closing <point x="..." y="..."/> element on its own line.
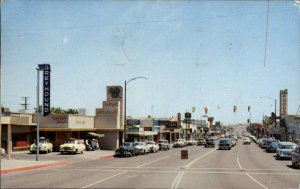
<point x="153" y="146"/>
<point x="44" y="146"/>
<point x="72" y="146"/>
<point x="246" y="140"/>
<point x="284" y="150"/>
<point x="209" y="143"/>
<point x="296" y="157"/>
<point x="201" y="142"/>
<point x="142" y="147"/>
<point x="179" y="143"/>
<point x="225" y="143"/>
<point x="164" y="145"/>
<point x="127" y="149"/>
<point x="232" y="142"/>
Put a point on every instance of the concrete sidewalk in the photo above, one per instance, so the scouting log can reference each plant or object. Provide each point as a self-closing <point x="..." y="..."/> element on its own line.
<point x="17" y="164"/>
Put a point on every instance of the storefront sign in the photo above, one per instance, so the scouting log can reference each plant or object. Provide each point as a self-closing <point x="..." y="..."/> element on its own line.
<point x="283" y="102"/>
<point x="170" y="124"/>
<point x="133" y="122"/>
<point x="46" y="88"/>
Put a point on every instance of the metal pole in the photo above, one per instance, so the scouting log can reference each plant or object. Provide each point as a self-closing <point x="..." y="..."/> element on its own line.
<point x="37" y="114"/>
<point x="125" y="120"/>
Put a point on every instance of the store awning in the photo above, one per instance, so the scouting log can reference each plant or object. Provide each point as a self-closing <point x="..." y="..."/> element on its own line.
<point x="143" y="133"/>
<point x="92" y="134"/>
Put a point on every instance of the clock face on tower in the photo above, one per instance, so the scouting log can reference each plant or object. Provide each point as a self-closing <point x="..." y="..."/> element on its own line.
<point x="115" y="92"/>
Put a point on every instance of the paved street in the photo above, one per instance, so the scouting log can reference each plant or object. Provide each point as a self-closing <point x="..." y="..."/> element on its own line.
<point x="244" y="166"/>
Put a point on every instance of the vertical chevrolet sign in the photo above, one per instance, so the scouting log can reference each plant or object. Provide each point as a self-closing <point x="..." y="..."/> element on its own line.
<point x="46" y="88"/>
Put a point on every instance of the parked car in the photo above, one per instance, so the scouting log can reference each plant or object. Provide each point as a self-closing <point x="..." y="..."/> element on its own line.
<point x="284" y="150"/>
<point x="246" y="140"/>
<point x="209" y="143"/>
<point x="263" y="143"/>
<point x="164" y="145"/>
<point x="201" y="142"/>
<point x="142" y="147"/>
<point x="179" y="143"/>
<point x="44" y="146"/>
<point x="272" y="146"/>
<point x="296" y="157"/>
<point x="153" y="146"/>
<point x="127" y="149"/>
<point x="224" y="143"/>
<point x="72" y="146"/>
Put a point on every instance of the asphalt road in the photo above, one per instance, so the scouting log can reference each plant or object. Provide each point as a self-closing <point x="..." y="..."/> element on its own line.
<point x="244" y="166"/>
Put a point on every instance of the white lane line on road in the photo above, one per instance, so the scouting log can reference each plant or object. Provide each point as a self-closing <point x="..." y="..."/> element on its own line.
<point x="177" y="180"/>
<point x="192" y="162"/>
<point x="152" y="162"/>
<point x="237" y="159"/>
<point x="104" y="179"/>
<point x="257" y="181"/>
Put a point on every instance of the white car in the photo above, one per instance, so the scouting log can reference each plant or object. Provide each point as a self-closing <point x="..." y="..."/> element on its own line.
<point x="153" y="146"/>
<point x="142" y="147"/>
<point x="246" y="140"/>
<point x="44" y="146"/>
<point x="179" y="143"/>
<point x="72" y="146"/>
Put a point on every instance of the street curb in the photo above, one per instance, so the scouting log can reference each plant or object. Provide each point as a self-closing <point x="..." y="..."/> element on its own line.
<point x="31" y="167"/>
<point x="108" y="156"/>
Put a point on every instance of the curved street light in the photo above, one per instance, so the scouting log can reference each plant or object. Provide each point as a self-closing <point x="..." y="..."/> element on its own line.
<point x="125" y="85"/>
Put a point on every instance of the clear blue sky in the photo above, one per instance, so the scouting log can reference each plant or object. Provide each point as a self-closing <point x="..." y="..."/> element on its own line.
<point x="196" y="53"/>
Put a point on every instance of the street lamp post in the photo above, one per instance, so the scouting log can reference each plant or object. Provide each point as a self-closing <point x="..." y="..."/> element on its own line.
<point x="125" y="85"/>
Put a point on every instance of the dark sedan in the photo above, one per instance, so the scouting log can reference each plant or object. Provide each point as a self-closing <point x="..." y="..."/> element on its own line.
<point x="209" y="143"/>
<point x="225" y="143"/>
<point x="128" y="149"/>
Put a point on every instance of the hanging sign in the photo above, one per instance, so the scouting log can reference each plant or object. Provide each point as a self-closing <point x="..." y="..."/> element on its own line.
<point x="46" y="88"/>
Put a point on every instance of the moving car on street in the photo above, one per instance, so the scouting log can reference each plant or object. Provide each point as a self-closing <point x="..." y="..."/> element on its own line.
<point x="209" y="143"/>
<point x="127" y="149"/>
<point x="246" y="140"/>
<point x="44" y="146"/>
<point x="225" y="143"/>
<point x="72" y="146"/>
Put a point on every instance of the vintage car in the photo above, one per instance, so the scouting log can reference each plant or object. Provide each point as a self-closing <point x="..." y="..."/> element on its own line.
<point x="201" y="142"/>
<point x="296" y="157"/>
<point x="127" y="149"/>
<point x="225" y="143"/>
<point x="191" y="142"/>
<point x="44" y="146"/>
<point x="164" y="145"/>
<point x="284" y="150"/>
<point x="209" y="143"/>
<point x="153" y="146"/>
<point x="72" y="146"/>
<point x="246" y="140"/>
<point x="142" y="147"/>
<point x="179" y="143"/>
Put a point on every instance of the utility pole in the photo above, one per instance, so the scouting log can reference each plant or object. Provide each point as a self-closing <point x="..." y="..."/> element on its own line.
<point x="25" y="105"/>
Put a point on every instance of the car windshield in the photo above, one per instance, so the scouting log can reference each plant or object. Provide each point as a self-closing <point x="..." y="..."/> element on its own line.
<point x="70" y="142"/>
<point x="150" y="143"/>
<point x="127" y="144"/>
<point x="288" y="146"/>
<point x="224" y="141"/>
